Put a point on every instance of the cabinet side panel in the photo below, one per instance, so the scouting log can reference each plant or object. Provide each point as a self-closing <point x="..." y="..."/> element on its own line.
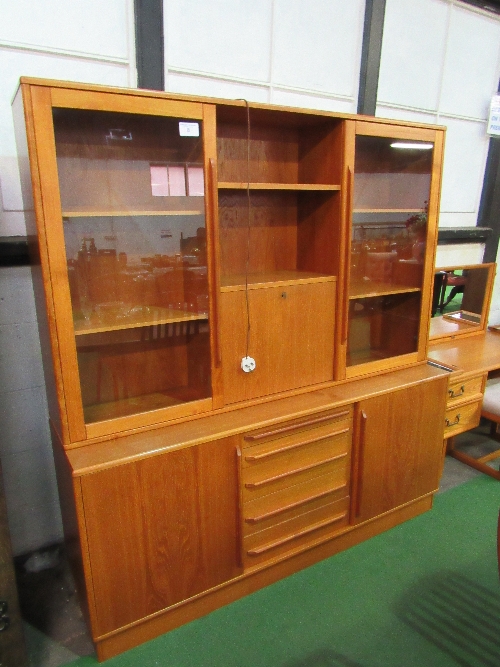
<point x="73" y="520"/>
<point x="33" y="211"/>
<point x="161" y="530"/>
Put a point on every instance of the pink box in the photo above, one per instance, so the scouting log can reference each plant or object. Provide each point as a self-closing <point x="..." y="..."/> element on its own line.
<point x="196" y="183"/>
<point x="176" y="181"/>
<point x="159" y="181"/>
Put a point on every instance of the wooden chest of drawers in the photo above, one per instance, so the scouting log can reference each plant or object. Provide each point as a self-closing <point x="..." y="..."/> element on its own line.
<point x="463" y="407"/>
<point x="294" y="484"/>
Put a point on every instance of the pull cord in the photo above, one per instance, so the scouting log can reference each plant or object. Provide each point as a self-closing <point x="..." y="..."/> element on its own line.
<point x="247" y="262"/>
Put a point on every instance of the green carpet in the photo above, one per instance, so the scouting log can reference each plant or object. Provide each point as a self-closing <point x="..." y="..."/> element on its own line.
<point x="424" y="594"/>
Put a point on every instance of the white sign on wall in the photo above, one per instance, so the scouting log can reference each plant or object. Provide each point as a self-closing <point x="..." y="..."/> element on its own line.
<point x="494" y="117"/>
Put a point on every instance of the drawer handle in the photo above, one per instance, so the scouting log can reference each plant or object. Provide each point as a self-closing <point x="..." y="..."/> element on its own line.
<point x="291" y="506"/>
<point x="259" y="457"/>
<point x="257" y="551"/>
<point x="294" y="427"/>
<point x="263" y="482"/>
<point x="449" y="423"/>
<point x="452" y="394"/>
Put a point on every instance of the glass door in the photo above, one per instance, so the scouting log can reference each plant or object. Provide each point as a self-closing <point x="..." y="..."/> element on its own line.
<point x="391" y="195"/>
<point x="132" y="197"/>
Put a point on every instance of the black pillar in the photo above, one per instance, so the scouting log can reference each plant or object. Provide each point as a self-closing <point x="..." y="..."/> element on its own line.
<point x="149" y="44"/>
<point x="370" y="56"/>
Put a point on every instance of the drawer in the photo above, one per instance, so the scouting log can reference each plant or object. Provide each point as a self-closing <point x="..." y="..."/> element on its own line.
<point x="462" y="417"/>
<point x="290" y="445"/>
<point x="284" y="468"/>
<point x="296" y="430"/>
<point x="461" y="390"/>
<point x="295" y="534"/>
<point x="277" y="507"/>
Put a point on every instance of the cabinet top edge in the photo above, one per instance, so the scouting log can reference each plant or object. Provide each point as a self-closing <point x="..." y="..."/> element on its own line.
<point x="128" y="447"/>
<point x="221" y="102"/>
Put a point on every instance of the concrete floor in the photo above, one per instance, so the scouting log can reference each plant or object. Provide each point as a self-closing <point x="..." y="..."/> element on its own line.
<point x="55" y="631"/>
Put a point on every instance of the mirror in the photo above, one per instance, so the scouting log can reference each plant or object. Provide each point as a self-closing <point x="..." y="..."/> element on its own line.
<point x="461" y="300"/>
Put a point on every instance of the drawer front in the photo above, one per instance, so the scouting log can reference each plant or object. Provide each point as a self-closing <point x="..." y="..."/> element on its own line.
<point x="312" y="458"/>
<point x="289" y="445"/>
<point x="462" y="390"/>
<point x="276" y="507"/>
<point x="462" y="417"/>
<point x="295" y="534"/>
<point x="294" y="430"/>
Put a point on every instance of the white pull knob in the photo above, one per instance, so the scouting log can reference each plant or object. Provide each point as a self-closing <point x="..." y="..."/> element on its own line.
<point x="248" y="364"/>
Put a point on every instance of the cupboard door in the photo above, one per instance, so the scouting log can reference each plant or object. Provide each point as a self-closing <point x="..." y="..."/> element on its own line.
<point x="289" y="332"/>
<point x="161" y="530"/>
<point x="394" y="213"/>
<point x="399" y="447"/>
<point x="128" y="259"/>
<point x="132" y="198"/>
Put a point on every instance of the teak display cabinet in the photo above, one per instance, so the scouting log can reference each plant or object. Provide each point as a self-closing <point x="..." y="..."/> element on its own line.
<point x="172" y="238"/>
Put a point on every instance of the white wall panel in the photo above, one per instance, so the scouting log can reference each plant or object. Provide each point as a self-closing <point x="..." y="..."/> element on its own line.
<point x="494" y="316"/>
<point x="87" y="26"/>
<point x="225" y="37"/>
<point x="309" y="101"/>
<point x="459" y="254"/>
<point x="32" y="502"/>
<point x="13" y="65"/>
<point x="317" y="45"/>
<point x="413" y="51"/>
<point x="470" y="73"/>
<point x="410" y="115"/>
<point x="211" y="87"/>
<point x="465" y="154"/>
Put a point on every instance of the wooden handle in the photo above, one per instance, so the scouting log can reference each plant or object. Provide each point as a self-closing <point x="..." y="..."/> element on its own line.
<point x="361" y="456"/>
<point x="291" y="506"/>
<point x="263" y="482"/>
<point x="345" y="324"/>
<point x="215" y="290"/>
<point x="239" y="504"/>
<point x="286" y="448"/>
<point x="257" y="551"/>
<point x="294" y="427"/>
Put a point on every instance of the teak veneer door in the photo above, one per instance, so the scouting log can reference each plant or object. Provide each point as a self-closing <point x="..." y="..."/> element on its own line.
<point x="161" y="530"/>
<point x="394" y="183"/>
<point x="126" y="250"/>
<point x="399" y="447"/>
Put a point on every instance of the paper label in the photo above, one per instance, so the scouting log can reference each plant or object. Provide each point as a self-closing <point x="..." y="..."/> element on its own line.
<point x="494" y="117"/>
<point x="189" y="129"/>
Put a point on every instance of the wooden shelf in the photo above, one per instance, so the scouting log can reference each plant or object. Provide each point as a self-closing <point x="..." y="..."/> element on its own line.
<point x="122" y="318"/>
<point x="387" y="210"/>
<point x="365" y="290"/>
<point x="145" y="403"/>
<point x="124" y="214"/>
<point x="236" y="283"/>
<point x="229" y="185"/>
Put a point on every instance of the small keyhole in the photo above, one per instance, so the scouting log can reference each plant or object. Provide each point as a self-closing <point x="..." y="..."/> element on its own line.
<point x="283" y="295"/>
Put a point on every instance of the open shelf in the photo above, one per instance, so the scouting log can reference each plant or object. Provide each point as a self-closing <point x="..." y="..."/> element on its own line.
<point x="234" y="283"/>
<point x="122" y="318"/>
<point x="229" y="185"/>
